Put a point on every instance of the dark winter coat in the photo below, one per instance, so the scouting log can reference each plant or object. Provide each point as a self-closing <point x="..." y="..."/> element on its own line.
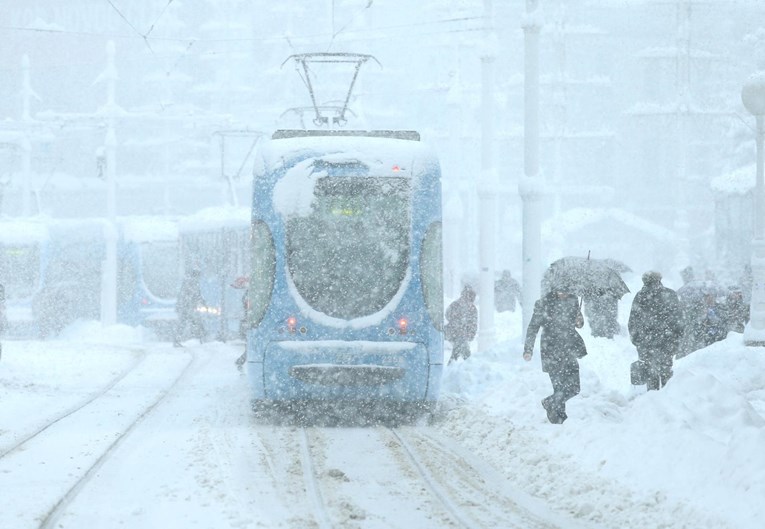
<point x="462" y="320"/>
<point x="506" y="292"/>
<point x="656" y="318"/>
<point x="560" y="342"/>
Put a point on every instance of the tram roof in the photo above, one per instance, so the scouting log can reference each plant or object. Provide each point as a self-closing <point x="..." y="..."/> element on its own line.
<point x="372" y="146"/>
<point x="281" y="134"/>
<point x="216" y="217"/>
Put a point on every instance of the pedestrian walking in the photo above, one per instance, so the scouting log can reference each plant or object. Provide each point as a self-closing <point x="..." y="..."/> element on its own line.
<point x="602" y="311"/>
<point x="506" y="292"/>
<point x="187" y="308"/>
<point x="656" y="329"/>
<point x="559" y="316"/>
<point x="462" y="324"/>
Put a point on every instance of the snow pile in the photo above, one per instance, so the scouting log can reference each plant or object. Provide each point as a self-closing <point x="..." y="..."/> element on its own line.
<point x="625" y="457"/>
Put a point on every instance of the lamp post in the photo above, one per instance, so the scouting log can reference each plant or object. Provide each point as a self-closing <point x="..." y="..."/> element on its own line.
<point x="753" y="97"/>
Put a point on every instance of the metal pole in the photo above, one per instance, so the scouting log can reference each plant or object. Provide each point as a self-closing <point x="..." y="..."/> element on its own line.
<point x="530" y="187"/>
<point x="109" y="277"/>
<point x="753" y="97"/>
<point x="26" y="143"/>
<point x="486" y="191"/>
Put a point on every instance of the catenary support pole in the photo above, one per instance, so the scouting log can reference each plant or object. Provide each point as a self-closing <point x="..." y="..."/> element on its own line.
<point x="530" y="187"/>
<point x="487" y="189"/>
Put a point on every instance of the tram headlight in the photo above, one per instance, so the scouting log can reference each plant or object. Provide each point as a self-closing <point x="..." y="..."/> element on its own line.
<point x="212" y="311"/>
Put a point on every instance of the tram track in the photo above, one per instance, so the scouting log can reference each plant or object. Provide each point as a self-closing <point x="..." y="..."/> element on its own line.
<point x="17" y="444"/>
<point x="51" y="518"/>
<point x="473" y="494"/>
<point x="413" y="471"/>
<point x="312" y="483"/>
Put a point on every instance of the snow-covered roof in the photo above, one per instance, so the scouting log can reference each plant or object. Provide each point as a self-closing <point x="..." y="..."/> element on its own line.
<point x="216" y="217"/>
<point x="577" y="218"/>
<point x="23" y="231"/>
<point x="737" y="182"/>
<point x="372" y="151"/>
<point x="149" y="229"/>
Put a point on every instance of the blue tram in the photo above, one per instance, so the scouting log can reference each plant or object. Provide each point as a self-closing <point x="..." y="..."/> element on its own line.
<point x="148" y="275"/>
<point x="52" y="270"/>
<point x="346" y="294"/>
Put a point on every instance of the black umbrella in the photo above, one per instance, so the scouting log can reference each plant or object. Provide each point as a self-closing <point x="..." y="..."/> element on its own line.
<point x="616" y="265"/>
<point x="584" y="276"/>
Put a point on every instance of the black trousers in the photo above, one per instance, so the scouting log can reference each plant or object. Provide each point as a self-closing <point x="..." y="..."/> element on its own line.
<point x="462" y="349"/>
<point x="564" y="376"/>
<point x="658" y="362"/>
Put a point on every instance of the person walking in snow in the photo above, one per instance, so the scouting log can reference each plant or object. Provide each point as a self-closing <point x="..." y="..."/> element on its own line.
<point x="187" y="305"/>
<point x="506" y="292"/>
<point x="462" y="324"/>
<point x="656" y="328"/>
<point x="602" y="311"/>
<point x="558" y="314"/>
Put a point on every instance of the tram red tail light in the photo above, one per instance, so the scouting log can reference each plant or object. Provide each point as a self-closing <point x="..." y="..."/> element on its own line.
<point x="291" y="323"/>
<point x="403" y="325"/>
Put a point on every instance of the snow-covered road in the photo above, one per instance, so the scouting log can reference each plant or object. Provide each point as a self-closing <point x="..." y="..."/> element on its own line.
<point x="103" y="429"/>
<point x="163" y="437"/>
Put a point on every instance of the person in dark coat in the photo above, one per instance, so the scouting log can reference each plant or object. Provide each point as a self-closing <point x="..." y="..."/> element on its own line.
<point x="558" y="314"/>
<point x="189" y="300"/>
<point x="714" y="325"/>
<point x="462" y="324"/>
<point x="736" y="311"/>
<point x="506" y="292"/>
<point x="656" y="328"/>
<point x="602" y="310"/>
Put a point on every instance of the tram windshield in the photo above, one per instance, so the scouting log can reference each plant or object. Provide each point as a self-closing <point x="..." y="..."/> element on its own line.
<point x="349" y="256"/>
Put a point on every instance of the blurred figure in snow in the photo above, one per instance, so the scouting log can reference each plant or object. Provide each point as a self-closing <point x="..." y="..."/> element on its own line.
<point x="602" y="312"/>
<point x="3" y="317"/>
<point x="656" y="328"/>
<point x="736" y="311"/>
<point x="187" y="307"/>
<point x="557" y="313"/>
<point x="714" y="325"/>
<point x="506" y="292"/>
<point x="462" y="323"/>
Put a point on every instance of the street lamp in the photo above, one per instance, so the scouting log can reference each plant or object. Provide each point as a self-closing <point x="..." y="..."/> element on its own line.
<point x="753" y="97"/>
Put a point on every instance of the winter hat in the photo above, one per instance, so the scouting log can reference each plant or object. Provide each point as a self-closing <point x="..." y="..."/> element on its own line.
<point x="651" y="278"/>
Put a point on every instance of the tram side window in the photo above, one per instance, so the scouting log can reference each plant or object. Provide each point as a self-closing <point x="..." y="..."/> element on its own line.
<point x="431" y="271"/>
<point x="20" y="270"/>
<point x="159" y="268"/>
<point x="263" y="255"/>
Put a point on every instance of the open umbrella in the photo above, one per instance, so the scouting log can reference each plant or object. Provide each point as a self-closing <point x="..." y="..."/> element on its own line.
<point x="616" y="265"/>
<point x="584" y="276"/>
